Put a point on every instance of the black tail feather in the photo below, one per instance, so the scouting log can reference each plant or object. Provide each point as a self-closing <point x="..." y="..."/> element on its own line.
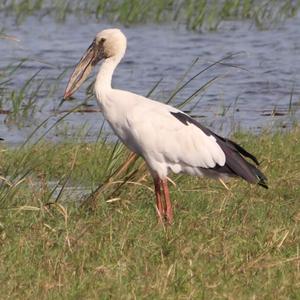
<point x="236" y="164"/>
<point x="240" y="149"/>
<point x="261" y="178"/>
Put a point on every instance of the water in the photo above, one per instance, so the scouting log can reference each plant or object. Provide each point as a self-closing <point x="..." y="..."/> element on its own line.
<point x="244" y="97"/>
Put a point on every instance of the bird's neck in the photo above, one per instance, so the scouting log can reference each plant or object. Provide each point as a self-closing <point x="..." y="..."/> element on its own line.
<point x="104" y="77"/>
<point x="103" y="82"/>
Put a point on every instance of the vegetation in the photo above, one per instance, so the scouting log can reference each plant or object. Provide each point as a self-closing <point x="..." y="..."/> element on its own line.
<point x="77" y="220"/>
<point x="196" y="14"/>
<point x="237" y="243"/>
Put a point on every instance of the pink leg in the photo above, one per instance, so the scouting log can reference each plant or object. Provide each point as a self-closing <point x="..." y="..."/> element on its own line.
<point x="159" y="204"/>
<point x="169" y="211"/>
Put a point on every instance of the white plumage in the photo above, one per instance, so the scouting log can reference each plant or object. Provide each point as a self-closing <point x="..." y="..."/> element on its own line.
<point x="167" y="138"/>
<point x="148" y="129"/>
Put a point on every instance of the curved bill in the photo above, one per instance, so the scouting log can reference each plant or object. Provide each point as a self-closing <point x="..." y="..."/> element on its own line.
<point x="90" y="58"/>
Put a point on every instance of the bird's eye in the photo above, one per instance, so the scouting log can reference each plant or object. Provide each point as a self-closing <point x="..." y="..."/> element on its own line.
<point x="102" y="40"/>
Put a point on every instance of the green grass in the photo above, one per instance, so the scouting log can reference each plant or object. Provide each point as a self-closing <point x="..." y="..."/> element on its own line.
<point x="20" y="103"/>
<point x="241" y="243"/>
<point x="196" y="14"/>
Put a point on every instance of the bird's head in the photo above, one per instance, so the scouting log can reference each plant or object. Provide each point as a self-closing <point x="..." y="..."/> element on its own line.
<point x="109" y="43"/>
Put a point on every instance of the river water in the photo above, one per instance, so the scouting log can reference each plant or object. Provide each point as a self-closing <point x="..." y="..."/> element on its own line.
<point x="253" y="90"/>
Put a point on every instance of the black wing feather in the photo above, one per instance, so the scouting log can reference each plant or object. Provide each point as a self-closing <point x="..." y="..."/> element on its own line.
<point x="235" y="164"/>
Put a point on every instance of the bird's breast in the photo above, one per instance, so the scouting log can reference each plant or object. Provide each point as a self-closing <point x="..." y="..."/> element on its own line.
<point x="121" y="128"/>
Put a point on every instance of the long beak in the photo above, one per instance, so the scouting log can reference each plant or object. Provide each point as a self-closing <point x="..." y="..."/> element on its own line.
<point x="90" y="58"/>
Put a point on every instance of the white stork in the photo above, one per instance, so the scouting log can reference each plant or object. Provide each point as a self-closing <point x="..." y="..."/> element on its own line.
<point x="168" y="139"/>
